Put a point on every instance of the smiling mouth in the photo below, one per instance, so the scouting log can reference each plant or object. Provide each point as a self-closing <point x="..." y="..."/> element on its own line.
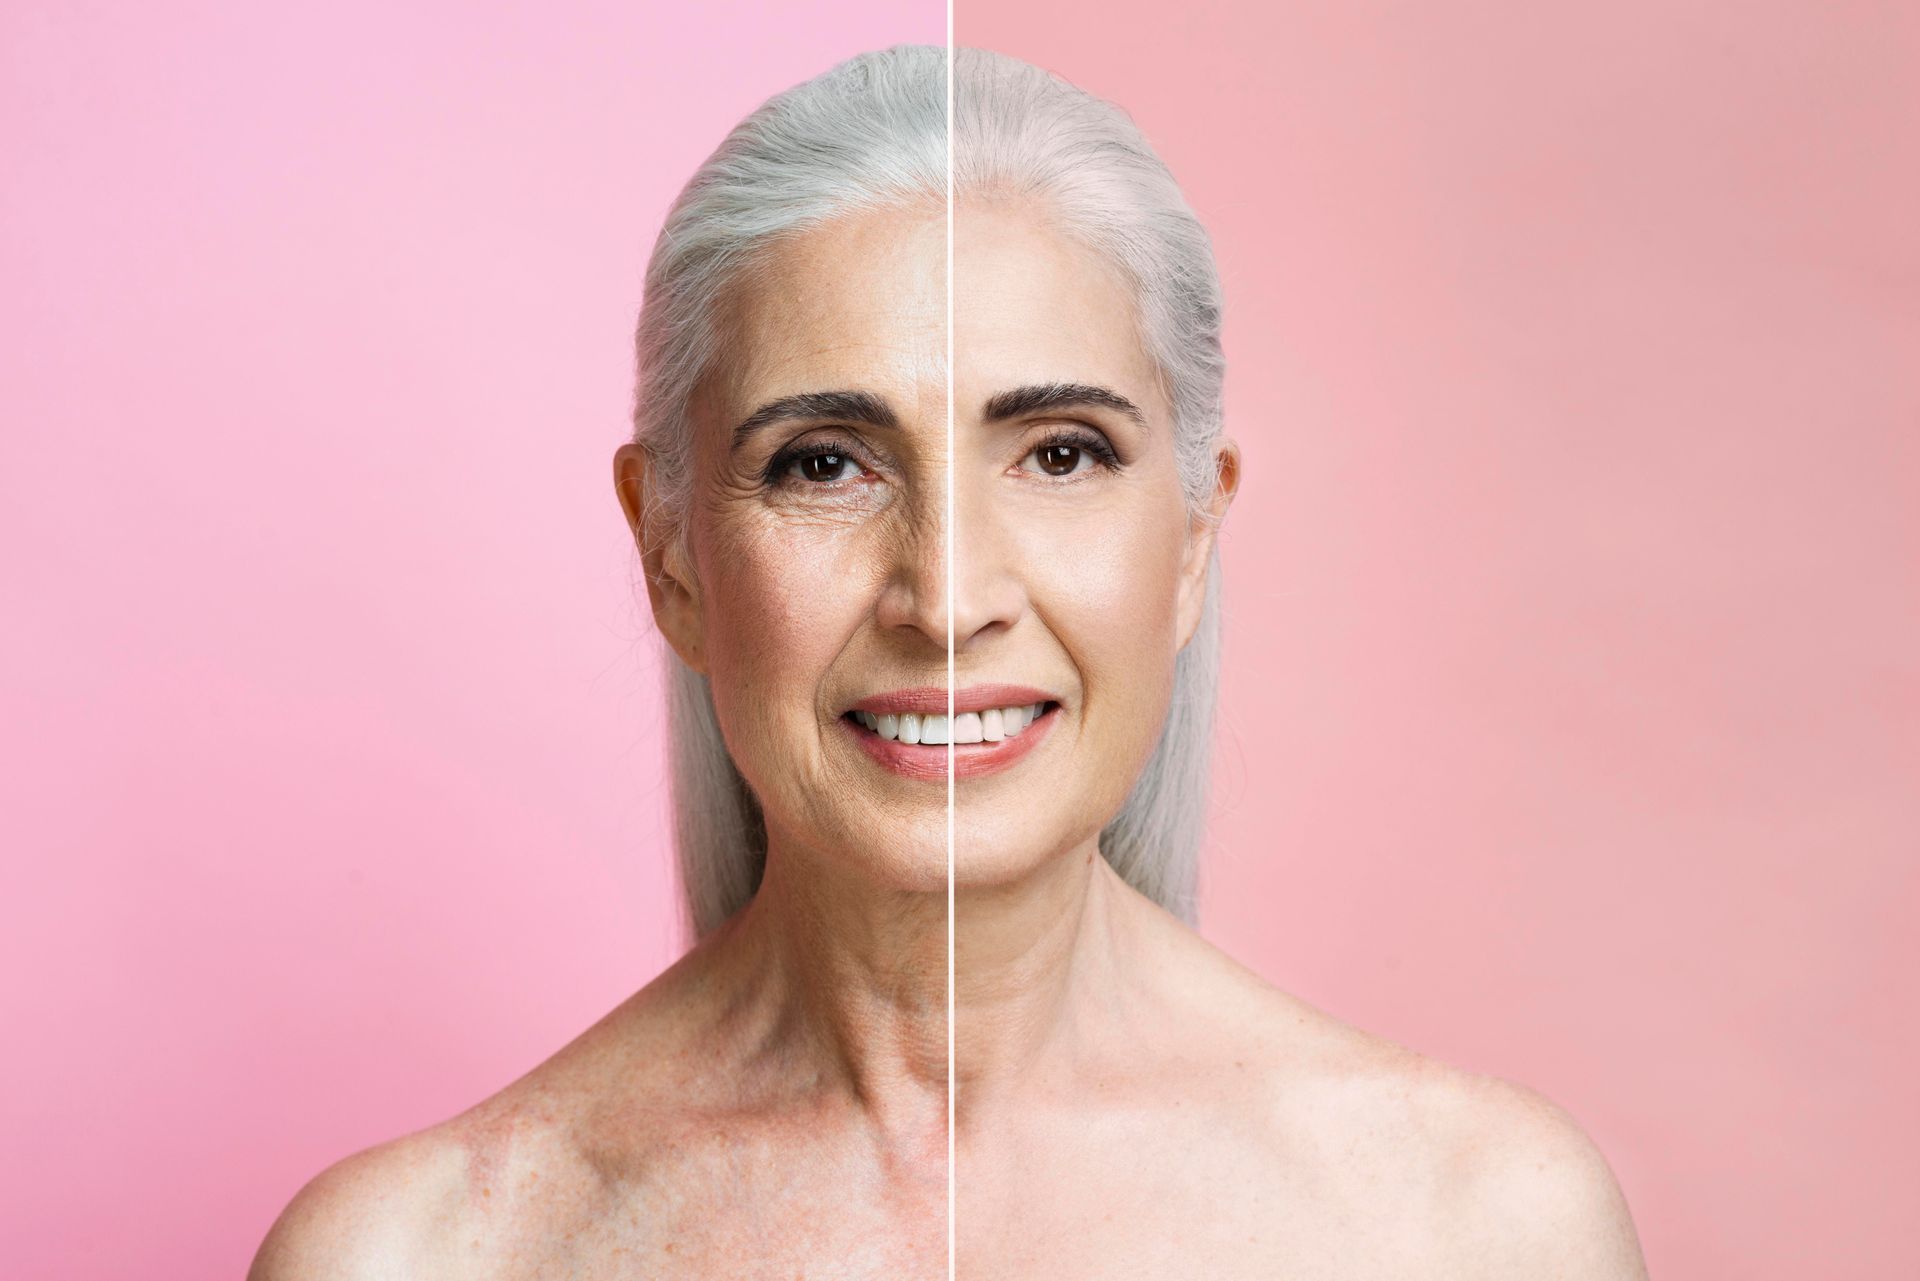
<point x="914" y="745"/>
<point x="994" y="725"/>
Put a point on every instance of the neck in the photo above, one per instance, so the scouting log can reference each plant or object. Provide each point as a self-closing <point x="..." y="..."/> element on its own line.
<point x="855" y="977"/>
<point x="850" y="979"/>
<point x="1035" y="965"/>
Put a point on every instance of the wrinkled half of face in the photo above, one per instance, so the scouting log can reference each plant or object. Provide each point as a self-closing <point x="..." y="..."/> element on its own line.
<point x="813" y="576"/>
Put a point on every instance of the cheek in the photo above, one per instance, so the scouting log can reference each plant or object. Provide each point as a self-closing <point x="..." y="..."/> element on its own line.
<point x="777" y="605"/>
<point x="1106" y="583"/>
<point x="1106" y="586"/>
<point x="1107" y="580"/>
<point x="1127" y="638"/>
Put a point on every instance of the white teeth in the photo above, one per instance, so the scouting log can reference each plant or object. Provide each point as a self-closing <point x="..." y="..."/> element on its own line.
<point x="993" y="725"/>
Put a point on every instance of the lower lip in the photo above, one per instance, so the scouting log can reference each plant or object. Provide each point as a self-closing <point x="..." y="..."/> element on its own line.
<point x="970" y="760"/>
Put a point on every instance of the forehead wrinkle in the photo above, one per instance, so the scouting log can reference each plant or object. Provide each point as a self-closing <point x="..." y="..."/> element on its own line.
<point x="849" y="306"/>
<point x="771" y="349"/>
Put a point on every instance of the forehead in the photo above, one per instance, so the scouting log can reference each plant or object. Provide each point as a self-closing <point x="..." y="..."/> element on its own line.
<point x="857" y="303"/>
<point x="1033" y="305"/>
<point x="860" y="303"/>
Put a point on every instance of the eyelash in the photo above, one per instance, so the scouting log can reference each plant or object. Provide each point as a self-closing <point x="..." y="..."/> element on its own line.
<point x="778" y="466"/>
<point x="1091" y="442"/>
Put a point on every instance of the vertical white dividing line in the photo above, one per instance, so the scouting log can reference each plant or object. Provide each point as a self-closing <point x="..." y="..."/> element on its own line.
<point x="952" y="568"/>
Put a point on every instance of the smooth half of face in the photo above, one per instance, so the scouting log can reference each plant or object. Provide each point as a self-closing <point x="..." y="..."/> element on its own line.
<point x="1080" y="568"/>
<point x="811" y="588"/>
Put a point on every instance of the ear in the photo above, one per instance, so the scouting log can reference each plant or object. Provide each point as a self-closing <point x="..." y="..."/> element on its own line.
<point x="1201" y="530"/>
<point x="671" y="586"/>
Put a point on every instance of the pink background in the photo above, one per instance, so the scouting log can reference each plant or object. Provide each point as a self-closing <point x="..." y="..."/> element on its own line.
<point x="1573" y="702"/>
<point x="331" y="789"/>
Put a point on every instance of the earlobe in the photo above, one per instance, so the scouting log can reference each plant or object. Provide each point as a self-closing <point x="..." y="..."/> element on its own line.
<point x="671" y="587"/>
<point x="1193" y="583"/>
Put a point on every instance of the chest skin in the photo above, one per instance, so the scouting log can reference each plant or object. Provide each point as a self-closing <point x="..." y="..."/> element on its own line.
<point x="1173" y="1193"/>
<point x="1155" y="1183"/>
<point x="726" y="1196"/>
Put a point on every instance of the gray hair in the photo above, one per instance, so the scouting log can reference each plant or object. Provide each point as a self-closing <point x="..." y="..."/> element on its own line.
<point x="872" y="133"/>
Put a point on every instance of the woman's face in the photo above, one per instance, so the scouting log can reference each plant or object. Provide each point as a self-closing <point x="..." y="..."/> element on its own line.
<point x="1080" y="572"/>
<point x="815" y="593"/>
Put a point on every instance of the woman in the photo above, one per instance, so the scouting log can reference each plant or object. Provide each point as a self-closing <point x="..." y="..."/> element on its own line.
<point x="1127" y="1101"/>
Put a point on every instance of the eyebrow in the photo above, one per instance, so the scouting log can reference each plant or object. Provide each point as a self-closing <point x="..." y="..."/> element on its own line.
<point x="1043" y="398"/>
<point x="846" y="406"/>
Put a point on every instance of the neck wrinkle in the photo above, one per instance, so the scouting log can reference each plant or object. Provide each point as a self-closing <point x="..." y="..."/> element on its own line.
<point x="851" y="979"/>
<point x="857" y="977"/>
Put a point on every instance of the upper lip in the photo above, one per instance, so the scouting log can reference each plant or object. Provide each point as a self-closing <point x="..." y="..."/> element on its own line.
<point x="931" y="700"/>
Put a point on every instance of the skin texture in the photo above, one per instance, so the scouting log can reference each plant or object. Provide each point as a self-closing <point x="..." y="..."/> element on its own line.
<point x="1129" y="1101"/>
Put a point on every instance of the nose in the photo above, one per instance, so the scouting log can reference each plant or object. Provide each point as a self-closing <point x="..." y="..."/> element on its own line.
<point x="989" y="591"/>
<point x="914" y="598"/>
<point x="987" y="595"/>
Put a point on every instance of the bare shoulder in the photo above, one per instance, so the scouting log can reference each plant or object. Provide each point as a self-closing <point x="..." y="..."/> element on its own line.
<point x="1500" y="1180"/>
<point x="483" y="1192"/>
<point x="1491" y="1178"/>
<point x="1527" y="1193"/>
<point x="376" y="1214"/>
<point x="457" y="1199"/>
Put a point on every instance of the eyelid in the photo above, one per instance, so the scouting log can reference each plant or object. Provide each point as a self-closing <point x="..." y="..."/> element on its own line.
<point x="809" y="446"/>
<point x="1093" y="441"/>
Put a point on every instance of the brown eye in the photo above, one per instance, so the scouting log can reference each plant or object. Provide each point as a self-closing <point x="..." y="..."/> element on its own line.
<point x="823" y="468"/>
<point x="1071" y="455"/>
<point x="1058" y="460"/>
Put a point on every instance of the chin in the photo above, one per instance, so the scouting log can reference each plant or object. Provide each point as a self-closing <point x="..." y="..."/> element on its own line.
<point x="987" y="857"/>
<point x="912" y="859"/>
